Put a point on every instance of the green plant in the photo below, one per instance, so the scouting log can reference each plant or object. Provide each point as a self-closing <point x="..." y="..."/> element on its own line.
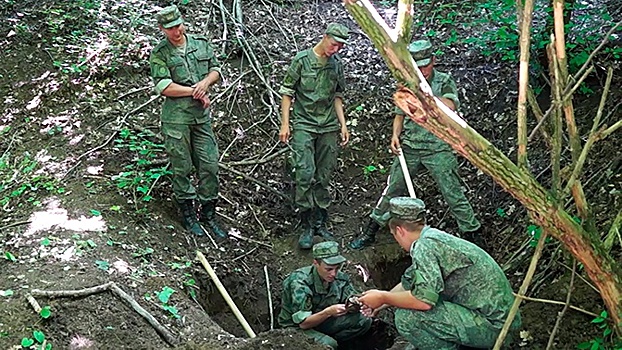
<point x="46" y="312"/>
<point x="39" y="341"/>
<point x="138" y="178"/>
<point x="535" y="232"/>
<point x="370" y="169"/>
<point x="164" y="296"/>
<point x="607" y="340"/>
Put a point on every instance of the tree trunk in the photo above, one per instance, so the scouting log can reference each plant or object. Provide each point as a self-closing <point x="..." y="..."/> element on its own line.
<point x="449" y="127"/>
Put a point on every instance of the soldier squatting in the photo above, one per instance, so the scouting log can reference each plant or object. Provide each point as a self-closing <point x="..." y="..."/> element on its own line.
<point x="453" y="294"/>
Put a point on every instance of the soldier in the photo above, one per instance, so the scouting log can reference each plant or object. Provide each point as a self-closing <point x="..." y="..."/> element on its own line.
<point x="314" y="299"/>
<point x="422" y="148"/>
<point x="315" y="82"/>
<point x="183" y="68"/>
<point x="453" y="294"/>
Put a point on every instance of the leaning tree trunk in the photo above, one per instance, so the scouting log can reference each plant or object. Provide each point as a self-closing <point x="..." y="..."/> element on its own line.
<point x="543" y="208"/>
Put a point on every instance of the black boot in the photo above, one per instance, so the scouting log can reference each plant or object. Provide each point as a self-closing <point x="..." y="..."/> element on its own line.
<point x="189" y="217"/>
<point x="320" y="225"/>
<point x="305" y="241"/>
<point x="368" y="237"/>
<point x="208" y="218"/>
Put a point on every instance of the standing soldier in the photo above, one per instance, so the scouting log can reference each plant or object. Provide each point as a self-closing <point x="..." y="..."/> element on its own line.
<point x="183" y="68"/>
<point x="315" y="83"/>
<point x="314" y="299"/>
<point x="422" y="148"/>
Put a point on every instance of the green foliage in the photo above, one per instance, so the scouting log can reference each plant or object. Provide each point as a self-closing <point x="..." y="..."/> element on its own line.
<point x="138" y="177"/>
<point x="20" y="182"/>
<point x="607" y="341"/>
<point x="37" y="342"/>
<point x="46" y="312"/>
<point x="535" y="232"/>
<point x="370" y="169"/>
<point x="164" y="297"/>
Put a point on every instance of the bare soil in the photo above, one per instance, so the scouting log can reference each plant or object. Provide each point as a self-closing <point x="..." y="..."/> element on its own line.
<point x="67" y="73"/>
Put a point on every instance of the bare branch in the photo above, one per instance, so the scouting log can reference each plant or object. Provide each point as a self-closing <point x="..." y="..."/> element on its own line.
<point x="523" y="83"/>
<point x="404" y="22"/>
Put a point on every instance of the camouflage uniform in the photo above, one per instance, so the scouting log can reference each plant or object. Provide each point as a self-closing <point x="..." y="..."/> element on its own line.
<point x="304" y="294"/>
<point x="468" y="291"/>
<point x="186" y="125"/>
<point x="314" y="85"/>
<point x="422" y="148"/>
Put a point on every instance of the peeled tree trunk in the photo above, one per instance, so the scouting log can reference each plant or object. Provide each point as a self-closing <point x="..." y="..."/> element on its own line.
<point x="415" y="94"/>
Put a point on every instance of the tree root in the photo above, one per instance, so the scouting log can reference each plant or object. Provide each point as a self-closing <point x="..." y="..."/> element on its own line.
<point x="166" y="335"/>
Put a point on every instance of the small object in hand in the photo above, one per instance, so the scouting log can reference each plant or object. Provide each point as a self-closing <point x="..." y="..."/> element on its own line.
<point x="353" y="304"/>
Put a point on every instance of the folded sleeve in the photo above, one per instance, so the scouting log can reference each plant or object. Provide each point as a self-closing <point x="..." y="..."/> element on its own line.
<point x="301" y="306"/>
<point x="424" y="278"/>
<point x="160" y="73"/>
<point x="450" y="91"/>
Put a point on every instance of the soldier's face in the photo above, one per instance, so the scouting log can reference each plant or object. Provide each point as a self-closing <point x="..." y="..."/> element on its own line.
<point x="175" y="34"/>
<point x="327" y="273"/>
<point x="332" y="46"/>
<point x="427" y="70"/>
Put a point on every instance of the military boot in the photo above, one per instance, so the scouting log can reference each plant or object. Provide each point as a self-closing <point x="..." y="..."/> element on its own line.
<point x="306" y="230"/>
<point x="320" y="225"/>
<point x="189" y="217"/>
<point x="368" y="237"/>
<point x="208" y="218"/>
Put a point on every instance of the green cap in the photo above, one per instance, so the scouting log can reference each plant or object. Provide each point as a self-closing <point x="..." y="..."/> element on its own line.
<point x="339" y="32"/>
<point x="328" y="252"/>
<point x="422" y="52"/>
<point x="169" y="17"/>
<point x="407" y="208"/>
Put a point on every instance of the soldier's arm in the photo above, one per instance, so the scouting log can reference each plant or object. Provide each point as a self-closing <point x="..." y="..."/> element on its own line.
<point x="288" y="91"/>
<point x="449" y="94"/>
<point x="317" y="318"/>
<point x="213" y="76"/>
<point x="162" y="79"/>
<point x="302" y="307"/>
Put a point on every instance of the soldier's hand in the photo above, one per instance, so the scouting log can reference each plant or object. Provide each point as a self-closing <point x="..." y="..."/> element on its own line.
<point x="336" y="310"/>
<point x="345" y="136"/>
<point x="205" y="102"/>
<point x="284" y="133"/>
<point x="373" y="298"/>
<point x="395" y="145"/>
<point x="200" y="89"/>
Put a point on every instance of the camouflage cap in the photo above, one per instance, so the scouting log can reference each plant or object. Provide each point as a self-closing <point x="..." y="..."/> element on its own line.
<point x="407" y="208"/>
<point x="328" y="252"/>
<point x="339" y="32"/>
<point x="422" y="52"/>
<point x="169" y="17"/>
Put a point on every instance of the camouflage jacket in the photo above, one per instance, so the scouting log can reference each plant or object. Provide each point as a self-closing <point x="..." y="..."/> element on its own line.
<point x="314" y="85"/>
<point x="169" y="64"/>
<point x="416" y="136"/>
<point x="304" y="294"/>
<point x="451" y="269"/>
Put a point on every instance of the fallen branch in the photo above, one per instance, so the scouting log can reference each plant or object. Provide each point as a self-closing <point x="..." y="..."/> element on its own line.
<point x="521" y="291"/>
<point x="14" y="225"/>
<point x="563" y="312"/>
<point x="226" y="295"/>
<point x="262" y="184"/>
<point x="265" y="270"/>
<point x="114" y="289"/>
<point x="555" y="302"/>
<point x="131" y="92"/>
<point x="163" y="332"/>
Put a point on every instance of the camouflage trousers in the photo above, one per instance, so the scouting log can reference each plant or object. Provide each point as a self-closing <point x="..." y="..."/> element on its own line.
<point x="315" y="159"/>
<point x="188" y="146"/>
<point x="447" y="326"/>
<point x="443" y="167"/>
<point x="339" y="329"/>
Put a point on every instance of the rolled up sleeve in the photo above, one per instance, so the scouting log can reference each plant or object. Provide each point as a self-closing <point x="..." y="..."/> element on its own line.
<point x="424" y="278"/>
<point x="450" y="91"/>
<point x="160" y="73"/>
<point x="301" y="306"/>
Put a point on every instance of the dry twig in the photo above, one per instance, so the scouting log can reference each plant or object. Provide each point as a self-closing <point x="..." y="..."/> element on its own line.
<point x="561" y="314"/>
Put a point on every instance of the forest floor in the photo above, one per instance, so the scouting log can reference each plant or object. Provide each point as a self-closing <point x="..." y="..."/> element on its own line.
<point x="86" y="200"/>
